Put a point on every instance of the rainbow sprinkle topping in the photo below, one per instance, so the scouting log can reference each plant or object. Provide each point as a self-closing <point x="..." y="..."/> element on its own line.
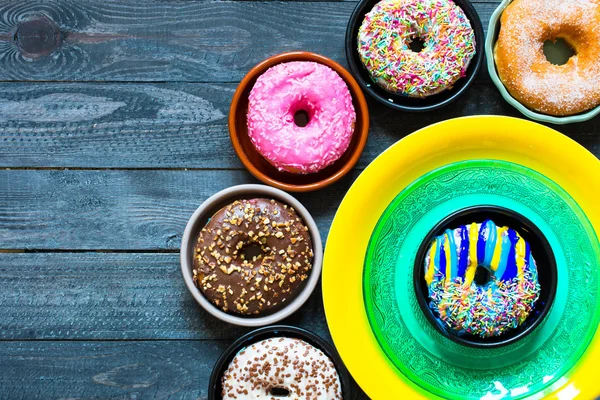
<point x="390" y="27"/>
<point x="491" y="308"/>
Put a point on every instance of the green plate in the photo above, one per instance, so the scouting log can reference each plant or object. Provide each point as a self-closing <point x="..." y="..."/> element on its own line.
<point x="528" y="367"/>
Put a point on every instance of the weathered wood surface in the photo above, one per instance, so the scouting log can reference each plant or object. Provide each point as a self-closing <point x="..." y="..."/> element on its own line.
<point x="117" y="370"/>
<point x="133" y="97"/>
<point x="112" y="296"/>
<point x="120" y="210"/>
<point x="179" y="125"/>
<point x="132" y="40"/>
<point x="174" y="370"/>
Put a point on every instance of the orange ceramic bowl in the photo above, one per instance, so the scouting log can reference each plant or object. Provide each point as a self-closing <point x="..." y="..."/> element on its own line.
<point x="260" y="167"/>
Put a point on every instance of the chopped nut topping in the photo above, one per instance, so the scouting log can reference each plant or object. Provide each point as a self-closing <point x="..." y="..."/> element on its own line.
<point x="227" y="275"/>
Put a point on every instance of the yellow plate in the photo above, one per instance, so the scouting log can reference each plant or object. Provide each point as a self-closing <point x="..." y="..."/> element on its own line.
<point x="535" y="146"/>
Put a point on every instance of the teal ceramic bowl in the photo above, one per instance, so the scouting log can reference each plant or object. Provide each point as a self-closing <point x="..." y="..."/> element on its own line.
<point x="493" y="30"/>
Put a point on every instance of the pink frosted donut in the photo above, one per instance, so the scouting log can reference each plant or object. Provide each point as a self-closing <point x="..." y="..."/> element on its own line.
<point x="279" y="94"/>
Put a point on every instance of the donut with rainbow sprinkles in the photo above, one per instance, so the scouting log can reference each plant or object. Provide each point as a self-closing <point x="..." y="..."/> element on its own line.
<point x="387" y="35"/>
<point x="482" y="279"/>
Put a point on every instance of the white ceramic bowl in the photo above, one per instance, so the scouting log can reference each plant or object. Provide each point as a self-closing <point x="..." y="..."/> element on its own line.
<point x="199" y="220"/>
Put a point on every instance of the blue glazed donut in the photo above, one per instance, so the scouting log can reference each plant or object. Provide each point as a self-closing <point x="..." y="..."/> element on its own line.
<point x="501" y="302"/>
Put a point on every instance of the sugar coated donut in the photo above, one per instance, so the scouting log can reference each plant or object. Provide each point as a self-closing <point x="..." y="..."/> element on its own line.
<point x="495" y="305"/>
<point x="523" y="68"/>
<point x="318" y="91"/>
<point x="387" y="31"/>
<point x="287" y="364"/>
<point x="248" y="286"/>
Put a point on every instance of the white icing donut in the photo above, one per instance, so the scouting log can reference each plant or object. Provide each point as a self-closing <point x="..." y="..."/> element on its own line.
<point x="281" y="363"/>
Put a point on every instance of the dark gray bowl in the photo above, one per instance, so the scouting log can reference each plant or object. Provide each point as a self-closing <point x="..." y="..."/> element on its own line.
<point x="544" y="256"/>
<point x="406" y="103"/>
<point x="214" y="388"/>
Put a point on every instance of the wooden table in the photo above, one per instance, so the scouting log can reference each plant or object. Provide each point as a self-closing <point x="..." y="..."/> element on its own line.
<point x="113" y="130"/>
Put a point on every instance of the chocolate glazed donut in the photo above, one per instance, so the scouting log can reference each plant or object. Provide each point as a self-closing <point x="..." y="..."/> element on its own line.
<point x="245" y="284"/>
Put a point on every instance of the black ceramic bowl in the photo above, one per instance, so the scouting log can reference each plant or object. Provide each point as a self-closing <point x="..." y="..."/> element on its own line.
<point x="540" y="248"/>
<point x="214" y="389"/>
<point x="405" y="103"/>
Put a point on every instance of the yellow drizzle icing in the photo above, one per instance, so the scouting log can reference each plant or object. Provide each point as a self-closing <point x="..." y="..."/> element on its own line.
<point x="431" y="267"/>
<point x="498" y="248"/>
<point x="472" y="267"/>
<point x="520" y="252"/>
<point x="447" y="254"/>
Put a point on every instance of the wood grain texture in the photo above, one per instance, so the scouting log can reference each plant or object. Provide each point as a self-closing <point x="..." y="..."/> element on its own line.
<point x="116" y="90"/>
<point x="120" y="210"/>
<point x="107" y="370"/>
<point x="115" y="125"/>
<point x="179" y="125"/>
<point x="174" y="370"/>
<point x="113" y="296"/>
<point x="131" y="40"/>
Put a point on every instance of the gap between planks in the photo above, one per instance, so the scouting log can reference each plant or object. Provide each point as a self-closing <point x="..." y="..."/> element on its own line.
<point x="226" y="340"/>
<point x="77" y="251"/>
<point x="119" y="169"/>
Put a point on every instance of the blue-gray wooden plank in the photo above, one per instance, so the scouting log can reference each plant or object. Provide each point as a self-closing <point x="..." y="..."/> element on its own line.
<point x="107" y="370"/>
<point x="132" y="40"/>
<point x="120" y="209"/>
<point x="179" y="125"/>
<point x="174" y="370"/>
<point x="113" y="296"/>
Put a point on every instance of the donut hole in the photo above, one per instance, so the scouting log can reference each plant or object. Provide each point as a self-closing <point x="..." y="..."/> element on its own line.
<point x="416" y="44"/>
<point x="558" y="51"/>
<point x="251" y="251"/>
<point x="279" y="392"/>
<point x="482" y="276"/>
<point x="301" y="118"/>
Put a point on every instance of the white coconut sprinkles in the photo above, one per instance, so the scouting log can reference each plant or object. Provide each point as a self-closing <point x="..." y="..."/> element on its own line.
<point x="288" y="364"/>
